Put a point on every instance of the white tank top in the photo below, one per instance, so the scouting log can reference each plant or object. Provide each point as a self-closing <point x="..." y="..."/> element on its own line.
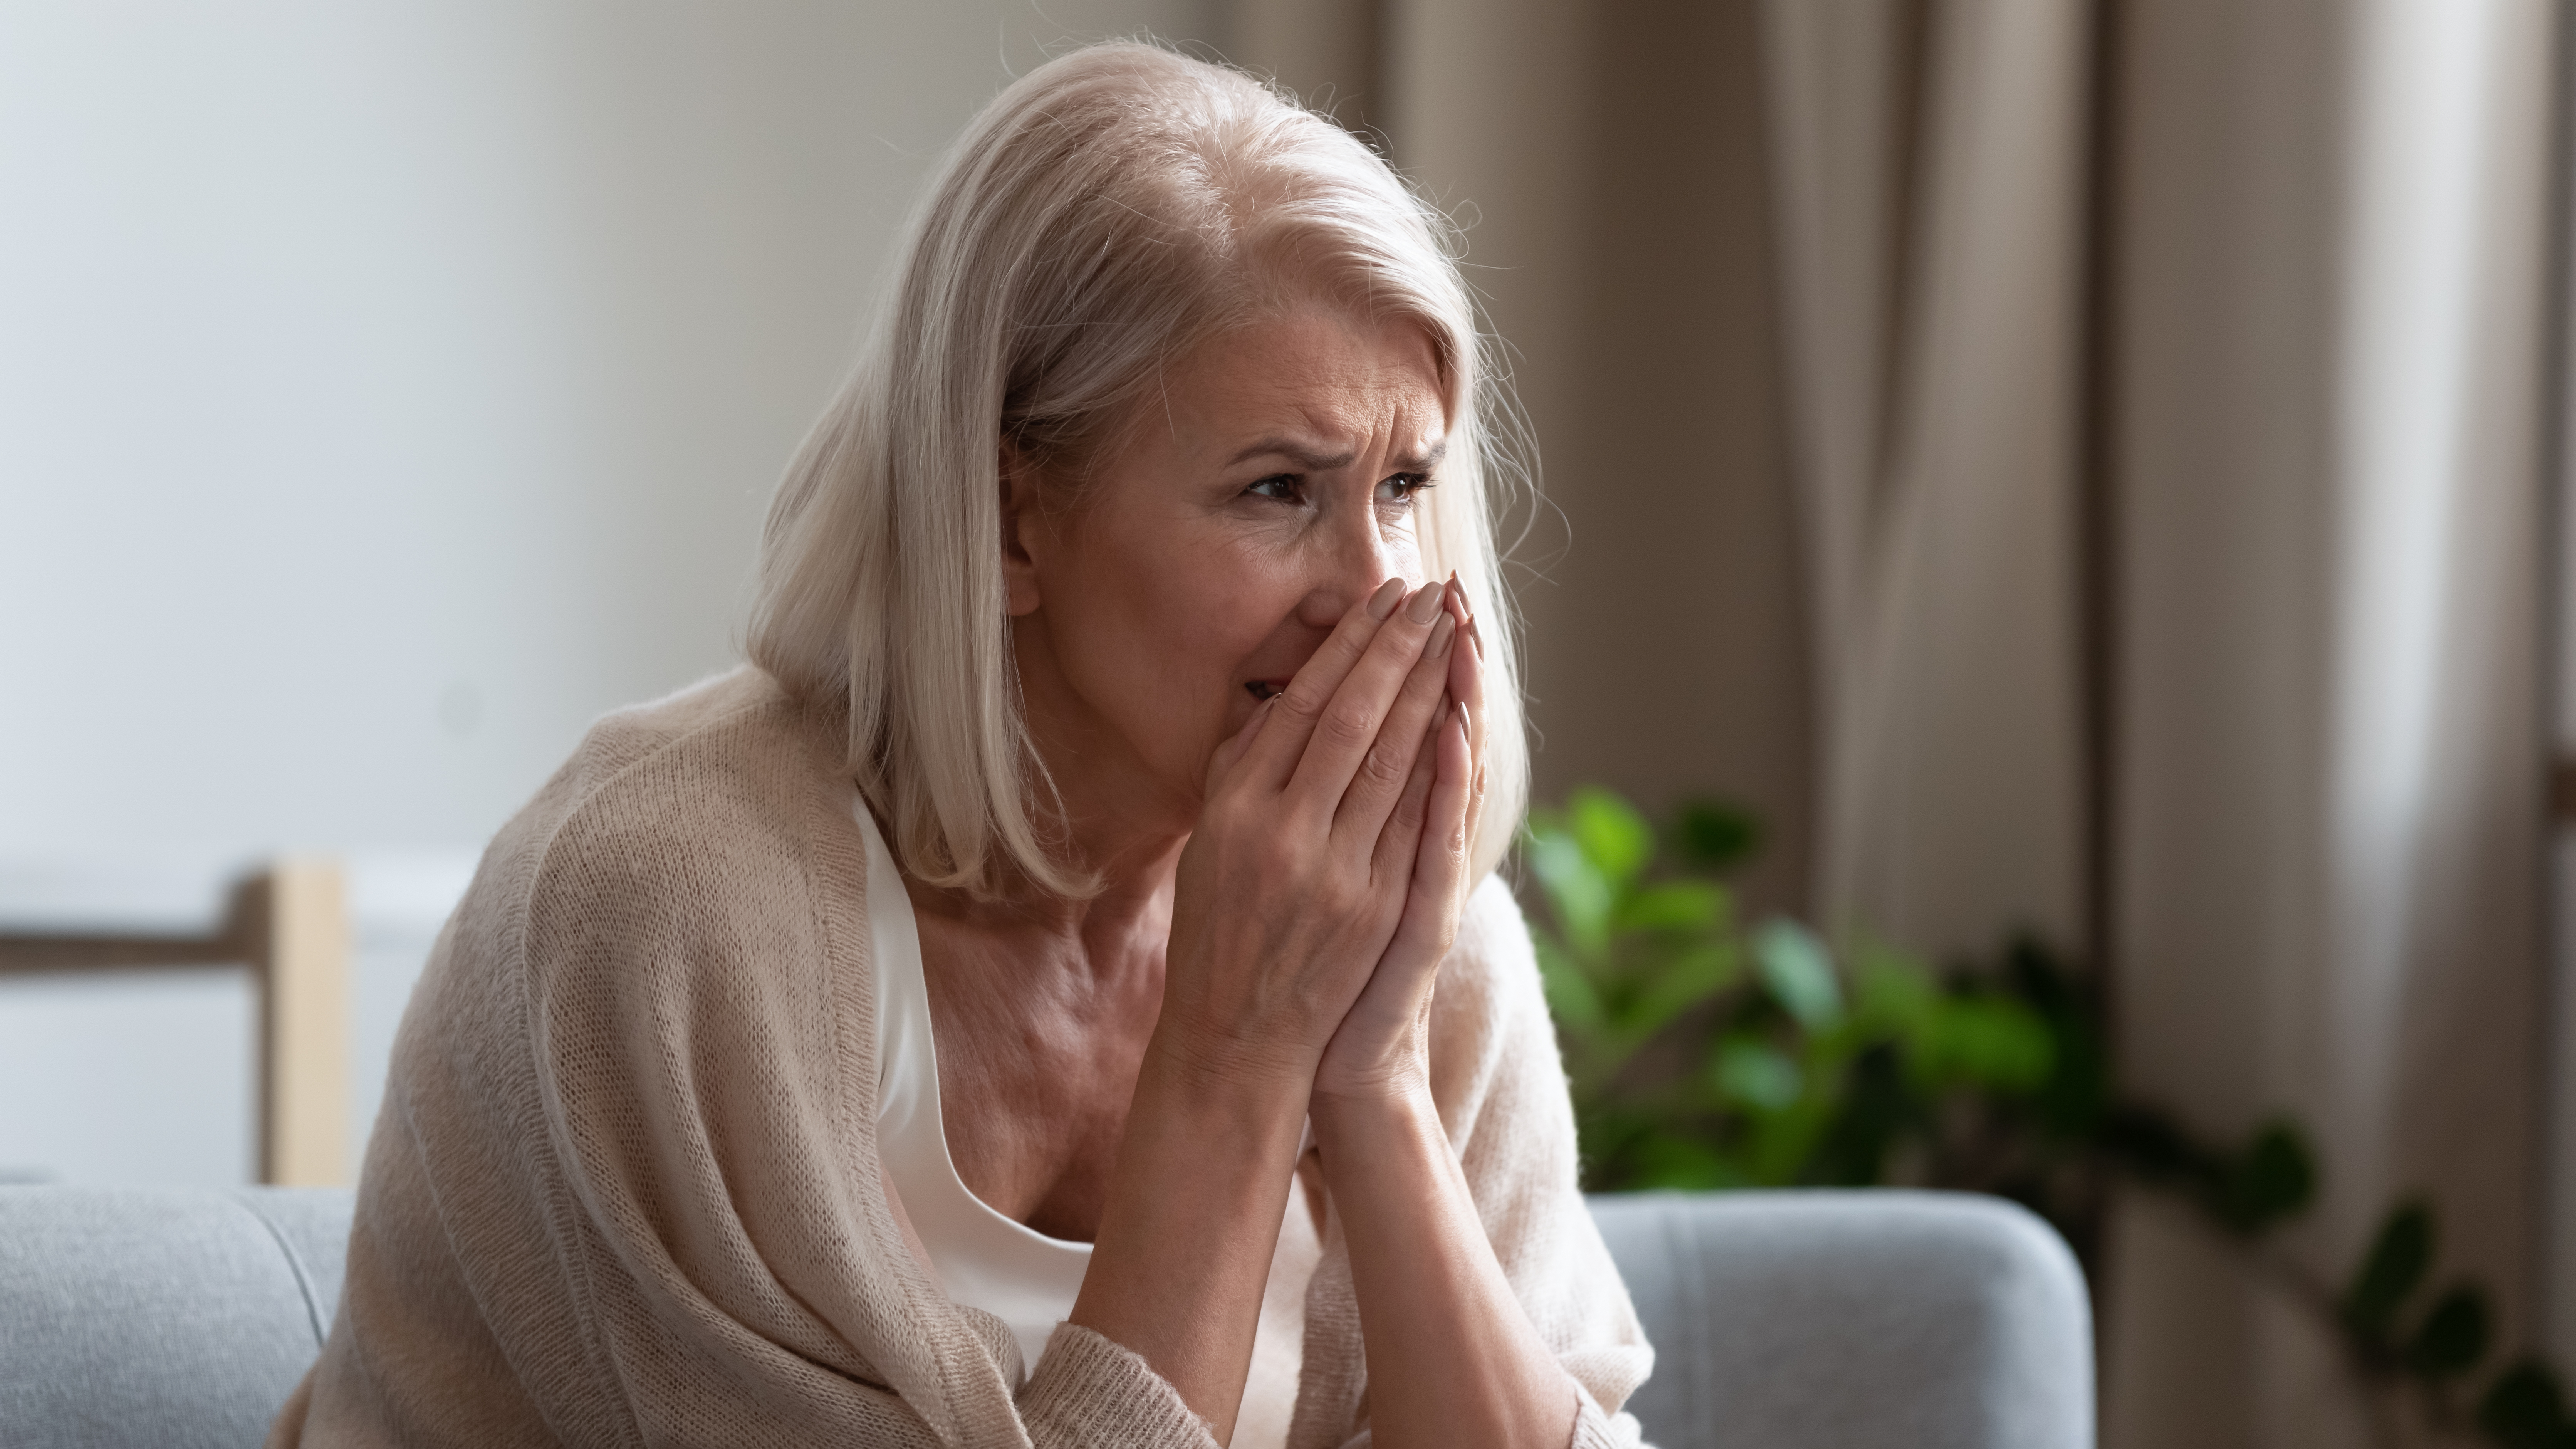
<point x="985" y="1260"/>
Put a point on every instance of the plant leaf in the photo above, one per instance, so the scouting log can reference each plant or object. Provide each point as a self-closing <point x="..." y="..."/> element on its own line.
<point x="1711" y="835"/>
<point x="1892" y="995"/>
<point x="2275" y="1178"/>
<point x="1992" y="1042"/>
<point x="1581" y="895"/>
<point x="1614" y="837"/>
<point x="1799" y="973"/>
<point x="1688" y="978"/>
<point x="2453" y="1337"/>
<point x="2391" y="1272"/>
<point x="1681" y="905"/>
<point x="2523" y="1409"/>
<point x="1570" y="997"/>
<point x="1752" y="1073"/>
<point x="1874" y="1108"/>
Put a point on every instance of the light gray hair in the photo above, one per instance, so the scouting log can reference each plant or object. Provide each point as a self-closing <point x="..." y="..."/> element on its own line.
<point x="1104" y="214"/>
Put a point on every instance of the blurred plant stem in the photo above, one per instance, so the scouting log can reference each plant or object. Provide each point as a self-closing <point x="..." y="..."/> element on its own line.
<point x="1707" y="1052"/>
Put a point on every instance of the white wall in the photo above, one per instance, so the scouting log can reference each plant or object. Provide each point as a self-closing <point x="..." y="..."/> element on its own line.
<point x="386" y="391"/>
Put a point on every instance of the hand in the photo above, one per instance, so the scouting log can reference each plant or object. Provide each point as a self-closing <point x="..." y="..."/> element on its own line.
<point x="1383" y="1044"/>
<point x="1298" y="873"/>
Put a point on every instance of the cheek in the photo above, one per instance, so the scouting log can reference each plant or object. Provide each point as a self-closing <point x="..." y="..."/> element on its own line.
<point x="1231" y="598"/>
<point x="1202" y="617"/>
<point x="1159" y="640"/>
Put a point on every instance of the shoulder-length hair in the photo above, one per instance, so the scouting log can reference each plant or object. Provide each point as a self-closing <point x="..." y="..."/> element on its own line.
<point x="1104" y="214"/>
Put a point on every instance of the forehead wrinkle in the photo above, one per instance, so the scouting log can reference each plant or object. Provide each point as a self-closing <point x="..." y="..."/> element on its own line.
<point x="1322" y="406"/>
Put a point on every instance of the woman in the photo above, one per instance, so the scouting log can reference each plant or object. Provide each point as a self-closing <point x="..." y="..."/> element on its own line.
<point x="1005" y="1013"/>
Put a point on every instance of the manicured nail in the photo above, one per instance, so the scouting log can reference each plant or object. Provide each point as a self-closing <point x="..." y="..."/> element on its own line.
<point x="1426" y="602"/>
<point x="1383" y="602"/>
<point x="1441" y="633"/>
<point x="1466" y="610"/>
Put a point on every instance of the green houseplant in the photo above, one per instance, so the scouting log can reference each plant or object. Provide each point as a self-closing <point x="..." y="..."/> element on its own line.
<point x="1705" y="1051"/>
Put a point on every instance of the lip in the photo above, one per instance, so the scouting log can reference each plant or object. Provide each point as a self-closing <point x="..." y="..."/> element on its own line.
<point x="1261" y="689"/>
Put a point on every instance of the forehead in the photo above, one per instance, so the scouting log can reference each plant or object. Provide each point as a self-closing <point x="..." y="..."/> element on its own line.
<point x="1316" y="371"/>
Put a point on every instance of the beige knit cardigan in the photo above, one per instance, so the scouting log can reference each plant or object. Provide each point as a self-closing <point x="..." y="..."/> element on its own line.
<point x="624" y="1190"/>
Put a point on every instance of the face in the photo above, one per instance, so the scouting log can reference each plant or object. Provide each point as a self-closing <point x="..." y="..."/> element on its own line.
<point x="1272" y="486"/>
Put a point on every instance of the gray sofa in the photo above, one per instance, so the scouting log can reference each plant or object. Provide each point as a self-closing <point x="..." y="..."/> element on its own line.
<point x="174" y="1318"/>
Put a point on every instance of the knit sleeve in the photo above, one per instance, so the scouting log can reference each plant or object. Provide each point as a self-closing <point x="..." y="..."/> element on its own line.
<point x="1500" y="1087"/>
<point x="1091" y="1393"/>
<point x="1509" y="1116"/>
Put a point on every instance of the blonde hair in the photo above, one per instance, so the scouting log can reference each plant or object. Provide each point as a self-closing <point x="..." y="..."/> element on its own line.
<point x="1104" y="214"/>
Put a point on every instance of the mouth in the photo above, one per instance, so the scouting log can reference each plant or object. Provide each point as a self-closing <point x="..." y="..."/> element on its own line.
<point x="1261" y="689"/>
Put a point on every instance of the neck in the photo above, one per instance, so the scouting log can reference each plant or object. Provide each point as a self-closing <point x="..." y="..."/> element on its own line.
<point x="1119" y="821"/>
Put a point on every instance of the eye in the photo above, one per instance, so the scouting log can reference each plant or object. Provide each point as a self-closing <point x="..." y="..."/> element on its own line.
<point x="1402" y="487"/>
<point x="1281" y="487"/>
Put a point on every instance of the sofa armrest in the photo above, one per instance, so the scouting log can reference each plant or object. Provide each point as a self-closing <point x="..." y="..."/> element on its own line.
<point x="1800" y="1320"/>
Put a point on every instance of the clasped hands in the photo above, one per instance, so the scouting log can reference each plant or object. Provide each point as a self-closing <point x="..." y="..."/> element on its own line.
<point x="1324" y="882"/>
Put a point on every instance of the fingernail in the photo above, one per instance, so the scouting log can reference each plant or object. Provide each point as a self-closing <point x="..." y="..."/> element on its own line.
<point x="1441" y="634"/>
<point x="1426" y="602"/>
<point x="1466" y="610"/>
<point x="1383" y="602"/>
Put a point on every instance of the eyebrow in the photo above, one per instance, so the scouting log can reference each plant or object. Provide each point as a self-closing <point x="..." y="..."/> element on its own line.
<point x="1311" y="461"/>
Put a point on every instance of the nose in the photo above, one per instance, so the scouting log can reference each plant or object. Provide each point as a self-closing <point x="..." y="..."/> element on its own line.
<point x="1347" y="568"/>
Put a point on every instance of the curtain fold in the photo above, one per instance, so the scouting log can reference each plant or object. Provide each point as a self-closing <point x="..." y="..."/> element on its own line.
<point x="1929" y="199"/>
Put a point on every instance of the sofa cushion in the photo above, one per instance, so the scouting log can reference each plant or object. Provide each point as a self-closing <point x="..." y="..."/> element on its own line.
<point x="167" y="1318"/>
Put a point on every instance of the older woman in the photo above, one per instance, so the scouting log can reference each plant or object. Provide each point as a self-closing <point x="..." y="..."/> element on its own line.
<point x="1005" y="1013"/>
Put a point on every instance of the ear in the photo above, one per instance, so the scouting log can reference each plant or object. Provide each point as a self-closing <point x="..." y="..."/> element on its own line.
<point x="1021" y="526"/>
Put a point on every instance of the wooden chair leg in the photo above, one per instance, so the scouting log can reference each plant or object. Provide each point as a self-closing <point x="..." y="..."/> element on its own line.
<point x="299" y="921"/>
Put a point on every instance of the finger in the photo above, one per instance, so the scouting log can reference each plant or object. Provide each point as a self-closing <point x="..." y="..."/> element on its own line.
<point x="1467" y="687"/>
<point x="1466" y="670"/>
<point x="1391" y="863"/>
<point x="1437" y="892"/>
<point x="1274" y="759"/>
<point x="1351" y="720"/>
<point x="1231" y="751"/>
<point x="1457" y="601"/>
<point x="1466" y="678"/>
<point x="1382" y="774"/>
<point x="1467" y="667"/>
<point x="1473" y="774"/>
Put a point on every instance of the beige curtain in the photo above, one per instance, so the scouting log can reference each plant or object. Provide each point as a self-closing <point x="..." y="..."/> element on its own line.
<point x="1928" y="193"/>
<point x="2324" y="249"/>
<point x="2330" y="295"/>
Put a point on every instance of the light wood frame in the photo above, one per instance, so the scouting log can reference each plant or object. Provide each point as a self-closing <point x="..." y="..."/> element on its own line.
<point x="290" y="925"/>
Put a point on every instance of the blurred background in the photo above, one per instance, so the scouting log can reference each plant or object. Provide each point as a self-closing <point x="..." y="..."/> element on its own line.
<point x="2088" y="470"/>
